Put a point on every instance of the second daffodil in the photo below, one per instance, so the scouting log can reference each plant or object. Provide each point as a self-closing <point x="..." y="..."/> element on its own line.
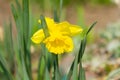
<point x="60" y="39"/>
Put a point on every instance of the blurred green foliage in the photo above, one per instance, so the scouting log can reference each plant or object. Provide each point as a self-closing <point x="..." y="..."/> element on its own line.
<point x="44" y="3"/>
<point x="102" y="2"/>
<point x="112" y="36"/>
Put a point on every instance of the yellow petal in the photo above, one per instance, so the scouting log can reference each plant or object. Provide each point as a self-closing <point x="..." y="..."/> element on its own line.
<point x="50" y="24"/>
<point x="38" y="36"/>
<point x="68" y="29"/>
<point x="63" y="28"/>
<point x="74" y="29"/>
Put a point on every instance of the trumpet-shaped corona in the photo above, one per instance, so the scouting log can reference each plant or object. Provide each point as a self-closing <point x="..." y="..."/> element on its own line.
<point x="58" y="44"/>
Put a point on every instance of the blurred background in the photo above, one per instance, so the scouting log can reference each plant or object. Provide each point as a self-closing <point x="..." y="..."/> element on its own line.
<point x="102" y="55"/>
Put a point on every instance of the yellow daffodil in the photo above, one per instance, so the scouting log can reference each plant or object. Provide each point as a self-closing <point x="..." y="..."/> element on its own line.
<point x="60" y="40"/>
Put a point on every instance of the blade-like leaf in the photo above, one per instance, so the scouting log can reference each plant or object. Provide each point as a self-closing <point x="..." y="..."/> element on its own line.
<point x="81" y="52"/>
<point x="75" y="69"/>
<point x="91" y="27"/>
<point x="82" y="48"/>
<point x="18" y="6"/>
<point x="42" y="64"/>
<point x="70" y="71"/>
<point x="26" y="19"/>
<point x="41" y="68"/>
<point x="47" y="75"/>
<point x="14" y="12"/>
<point x="81" y="72"/>
<point x="26" y="39"/>
<point x="57" y="75"/>
<point x="4" y="68"/>
<point x="44" y="26"/>
<point x="56" y="18"/>
<point x="61" y="5"/>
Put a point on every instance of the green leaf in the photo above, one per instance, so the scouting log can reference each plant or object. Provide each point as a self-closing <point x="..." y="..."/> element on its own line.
<point x="25" y="74"/>
<point x="44" y="26"/>
<point x="47" y="75"/>
<point x="21" y="17"/>
<point x="14" y="12"/>
<point x="3" y="65"/>
<point x="57" y="75"/>
<point x="8" y="45"/>
<point x="42" y="63"/>
<point x="91" y="27"/>
<point x="70" y="71"/>
<point x="61" y="6"/>
<point x="26" y="19"/>
<point x="26" y="35"/>
<point x="56" y="18"/>
<point x="81" y="72"/>
<point x="81" y="52"/>
<point x="82" y="48"/>
<point x="18" y="6"/>
<point x="75" y="69"/>
<point x="41" y="68"/>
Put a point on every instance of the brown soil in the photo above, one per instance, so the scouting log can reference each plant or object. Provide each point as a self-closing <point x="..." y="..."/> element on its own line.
<point x="102" y="14"/>
<point x="4" y="11"/>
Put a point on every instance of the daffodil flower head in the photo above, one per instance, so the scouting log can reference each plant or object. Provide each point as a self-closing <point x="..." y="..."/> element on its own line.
<point x="60" y="39"/>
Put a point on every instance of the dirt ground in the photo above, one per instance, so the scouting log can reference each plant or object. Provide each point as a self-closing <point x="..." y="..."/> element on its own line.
<point x="4" y="11"/>
<point x="102" y="14"/>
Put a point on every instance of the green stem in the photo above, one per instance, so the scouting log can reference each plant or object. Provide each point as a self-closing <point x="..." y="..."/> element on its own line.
<point x="56" y="68"/>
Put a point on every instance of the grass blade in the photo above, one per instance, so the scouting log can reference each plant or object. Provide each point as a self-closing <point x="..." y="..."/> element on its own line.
<point x="14" y="12"/>
<point x="56" y="73"/>
<point x="75" y="69"/>
<point x="70" y="71"/>
<point x="91" y="27"/>
<point x="81" y="52"/>
<point x="60" y="13"/>
<point x="21" y="17"/>
<point x="47" y="76"/>
<point x="44" y="26"/>
<point x="56" y="18"/>
<point x="4" y="68"/>
<point x="81" y="72"/>
<point x="42" y="64"/>
<point x="9" y="49"/>
<point x="26" y="19"/>
<point x="82" y="48"/>
<point x="26" y="39"/>
<point x="18" y="6"/>
<point x="41" y="68"/>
